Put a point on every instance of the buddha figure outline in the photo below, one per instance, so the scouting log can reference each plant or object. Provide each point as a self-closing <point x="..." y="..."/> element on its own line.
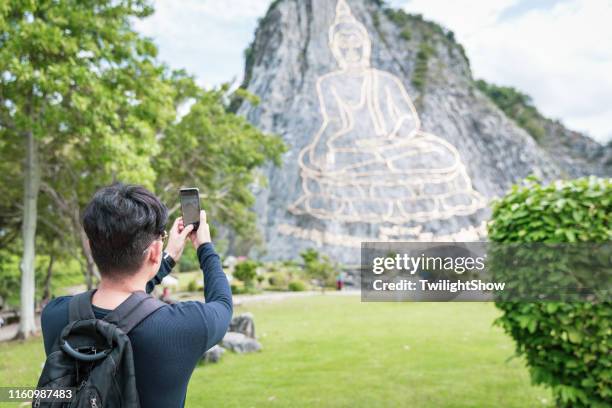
<point x="369" y="161"/>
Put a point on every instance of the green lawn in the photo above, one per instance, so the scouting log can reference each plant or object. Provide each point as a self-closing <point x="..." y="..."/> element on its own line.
<point x="334" y="351"/>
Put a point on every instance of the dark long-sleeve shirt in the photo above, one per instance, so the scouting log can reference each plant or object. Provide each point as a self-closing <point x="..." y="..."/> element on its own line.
<point x="168" y="344"/>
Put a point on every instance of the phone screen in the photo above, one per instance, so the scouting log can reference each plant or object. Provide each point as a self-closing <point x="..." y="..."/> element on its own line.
<point x="190" y="205"/>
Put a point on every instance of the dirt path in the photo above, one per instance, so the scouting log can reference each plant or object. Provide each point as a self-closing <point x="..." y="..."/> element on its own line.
<point x="277" y="296"/>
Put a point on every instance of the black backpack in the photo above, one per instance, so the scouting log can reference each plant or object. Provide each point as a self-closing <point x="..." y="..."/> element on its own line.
<point x="94" y="356"/>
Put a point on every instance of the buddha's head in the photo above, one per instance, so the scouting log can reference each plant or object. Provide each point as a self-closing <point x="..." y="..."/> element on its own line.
<point x="348" y="39"/>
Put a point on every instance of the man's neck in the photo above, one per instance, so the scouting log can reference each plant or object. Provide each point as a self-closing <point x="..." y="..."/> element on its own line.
<point x="111" y="293"/>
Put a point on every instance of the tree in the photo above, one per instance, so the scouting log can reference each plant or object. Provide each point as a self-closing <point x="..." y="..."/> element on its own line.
<point x="83" y="103"/>
<point x="81" y="91"/>
<point x="217" y="151"/>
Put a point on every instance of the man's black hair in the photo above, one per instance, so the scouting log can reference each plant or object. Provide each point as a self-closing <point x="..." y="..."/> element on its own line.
<point x="121" y="221"/>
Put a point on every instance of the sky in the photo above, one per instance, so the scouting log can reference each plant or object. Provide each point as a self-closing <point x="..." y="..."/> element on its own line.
<point x="557" y="51"/>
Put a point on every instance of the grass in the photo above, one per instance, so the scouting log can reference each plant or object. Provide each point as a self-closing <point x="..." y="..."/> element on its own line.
<point x="334" y="351"/>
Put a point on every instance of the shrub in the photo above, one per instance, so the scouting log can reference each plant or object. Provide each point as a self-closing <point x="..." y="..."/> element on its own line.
<point x="566" y="345"/>
<point x="419" y="76"/>
<point x="297" y="286"/>
<point x="246" y="272"/>
<point x="406" y="34"/>
<point x="319" y="267"/>
<point x="279" y="280"/>
<point x="192" y="286"/>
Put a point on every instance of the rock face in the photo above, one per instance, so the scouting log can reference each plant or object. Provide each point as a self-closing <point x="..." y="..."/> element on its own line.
<point x="388" y="137"/>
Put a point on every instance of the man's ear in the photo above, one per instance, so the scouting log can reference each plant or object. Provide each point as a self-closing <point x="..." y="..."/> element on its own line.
<point x="156" y="251"/>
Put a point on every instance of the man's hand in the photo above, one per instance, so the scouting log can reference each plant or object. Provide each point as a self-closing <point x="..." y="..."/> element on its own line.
<point x="202" y="234"/>
<point x="177" y="238"/>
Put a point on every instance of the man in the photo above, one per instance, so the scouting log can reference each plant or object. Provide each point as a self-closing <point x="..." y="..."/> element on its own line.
<point x="125" y="227"/>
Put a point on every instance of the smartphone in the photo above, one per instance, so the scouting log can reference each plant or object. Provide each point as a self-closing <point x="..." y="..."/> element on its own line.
<point x="190" y="206"/>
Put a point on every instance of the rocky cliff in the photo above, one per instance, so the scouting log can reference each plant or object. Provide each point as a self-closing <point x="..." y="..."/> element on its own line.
<point x="389" y="138"/>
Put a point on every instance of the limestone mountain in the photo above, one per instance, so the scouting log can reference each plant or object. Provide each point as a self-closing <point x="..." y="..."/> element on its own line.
<point x="389" y="135"/>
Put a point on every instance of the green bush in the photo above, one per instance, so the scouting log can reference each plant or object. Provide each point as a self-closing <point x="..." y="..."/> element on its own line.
<point x="279" y="280"/>
<point x="297" y="286"/>
<point x="243" y="290"/>
<point x="419" y="76"/>
<point x="246" y="271"/>
<point x="566" y="345"/>
<point x="192" y="286"/>
<point x="319" y="267"/>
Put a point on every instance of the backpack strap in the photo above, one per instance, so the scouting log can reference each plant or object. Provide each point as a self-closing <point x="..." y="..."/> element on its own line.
<point x="79" y="307"/>
<point x="133" y="310"/>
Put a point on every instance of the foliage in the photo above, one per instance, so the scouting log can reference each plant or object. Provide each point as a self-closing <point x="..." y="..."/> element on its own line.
<point x="279" y="280"/>
<point x="102" y="108"/>
<point x="95" y="99"/>
<point x="246" y="271"/>
<point x="566" y="345"/>
<point x="11" y="184"/>
<point x="398" y="16"/>
<point x="319" y="267"/>
<point x="189" y="260"/>
<point x="90" y="100"/>
<point x="9" y="277"/>
<point x="279" y="274"/>
<point x="243" y="290"/>
<point x="517" y="105"/>
<point x="66" y="272"/>
<point x="419" y="76"/>
<point x="297" y="286"/>
<point x="218" y="152"/>
<point x="192" y="286"/>
<point x="414" y="25"/>
<point x="406" y="34"/>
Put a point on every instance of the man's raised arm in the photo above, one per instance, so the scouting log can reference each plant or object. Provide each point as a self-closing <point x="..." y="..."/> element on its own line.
<point x="217" y="311"/>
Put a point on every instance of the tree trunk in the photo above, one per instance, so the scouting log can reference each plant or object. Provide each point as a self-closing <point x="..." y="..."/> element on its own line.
<point x="92" y="270"/>
<point x="27" y="321"/>
<point x="47" y="286"/>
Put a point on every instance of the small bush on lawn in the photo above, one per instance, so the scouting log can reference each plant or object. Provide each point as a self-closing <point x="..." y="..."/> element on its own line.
<point x="242" y="290"/>
<point x="297" y="286"/>
<point x="278" y="280"/>
<point x="320" y="268"/>
<point x="246" y="271"/>
<point x="192" y="286"/>
<point x="567" y="345"/>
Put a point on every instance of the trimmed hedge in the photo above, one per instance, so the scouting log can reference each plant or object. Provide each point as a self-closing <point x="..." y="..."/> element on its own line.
<point x="567" y="345"/>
